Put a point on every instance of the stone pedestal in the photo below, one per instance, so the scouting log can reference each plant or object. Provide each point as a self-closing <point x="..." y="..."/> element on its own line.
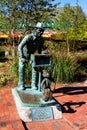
<point x="31" y="107"/>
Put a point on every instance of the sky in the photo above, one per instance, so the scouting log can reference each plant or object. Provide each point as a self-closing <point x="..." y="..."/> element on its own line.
<point x="82" y="3"/>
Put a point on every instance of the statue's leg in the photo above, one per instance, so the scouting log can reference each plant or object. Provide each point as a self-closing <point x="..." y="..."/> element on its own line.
<point x="34" y="74"/>
<point x="21" y="82"/>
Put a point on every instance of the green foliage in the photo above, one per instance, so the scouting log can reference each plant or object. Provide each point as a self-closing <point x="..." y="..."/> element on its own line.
<point x="3" y="78"/>
<point x="82" y="63"/>
<point x="63" y="67"/>
<point x="2" y="54"/>
<point x="13" y="69"/>
<point x="15" y="12"/>
<point x="1" y="65"/>
<point x="73" y="23"/>
<point x="56" y="46"/>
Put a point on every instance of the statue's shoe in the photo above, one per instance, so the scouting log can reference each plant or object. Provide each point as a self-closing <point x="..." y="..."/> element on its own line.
<point x="21" y="88"/>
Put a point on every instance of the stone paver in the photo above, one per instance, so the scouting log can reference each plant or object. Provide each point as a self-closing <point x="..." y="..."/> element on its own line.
<point x="73" y="101"/>
<point x="9" y="118"/>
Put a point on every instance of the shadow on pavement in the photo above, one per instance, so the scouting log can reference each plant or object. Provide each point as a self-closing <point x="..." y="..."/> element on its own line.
<point x="68" y="106"/>
<point x="72" y="90"/>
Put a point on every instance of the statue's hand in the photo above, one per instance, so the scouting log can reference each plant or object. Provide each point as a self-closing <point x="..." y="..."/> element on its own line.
<point x="44" y="52"/>
<point x="30" y="62"/>
<point x="23" y="60"/>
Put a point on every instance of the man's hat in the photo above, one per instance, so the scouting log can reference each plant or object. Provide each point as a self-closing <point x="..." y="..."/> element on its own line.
<point x="40" y="25"/>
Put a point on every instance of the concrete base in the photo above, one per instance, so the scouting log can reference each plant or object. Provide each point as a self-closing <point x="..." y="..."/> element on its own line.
<point x="35" y="109"/>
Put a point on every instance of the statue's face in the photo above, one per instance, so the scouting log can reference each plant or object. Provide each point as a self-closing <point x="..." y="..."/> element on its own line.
<point x="38" y="32"/>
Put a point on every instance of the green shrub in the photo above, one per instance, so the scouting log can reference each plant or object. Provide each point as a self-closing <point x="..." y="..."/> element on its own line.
<point x="82" y="63"/>
<point x="2" y="54"/>
<point x="3" y="78"/>
<point x="63" y="67"/>
<point x="13" y="69"/>
<point x="1" y="65"/>
<point x="56" y="46"/>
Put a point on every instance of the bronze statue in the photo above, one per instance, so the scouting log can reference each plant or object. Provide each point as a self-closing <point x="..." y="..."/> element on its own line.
<point x="29" y="45"/>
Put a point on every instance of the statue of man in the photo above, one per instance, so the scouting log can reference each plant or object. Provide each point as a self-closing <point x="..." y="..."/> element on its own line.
<point x="29" y="45"/>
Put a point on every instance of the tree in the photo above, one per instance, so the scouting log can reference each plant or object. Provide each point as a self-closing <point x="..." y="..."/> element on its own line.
<point x="29" y="11"/>
<point x="24" y="12"/>
<point x="65" y="21"/>
<point x="71" y="21"/>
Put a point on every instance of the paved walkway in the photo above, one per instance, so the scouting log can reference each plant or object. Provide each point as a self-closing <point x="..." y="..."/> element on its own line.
<point x="72" y="98"/>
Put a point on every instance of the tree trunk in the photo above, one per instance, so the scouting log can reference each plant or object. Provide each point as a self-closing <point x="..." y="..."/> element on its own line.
<point x="67" y="42"/>
<point x="13" y="43"/>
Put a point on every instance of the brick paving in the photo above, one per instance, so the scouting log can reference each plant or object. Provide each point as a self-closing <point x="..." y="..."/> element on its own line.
<point x="73" y="101"/>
